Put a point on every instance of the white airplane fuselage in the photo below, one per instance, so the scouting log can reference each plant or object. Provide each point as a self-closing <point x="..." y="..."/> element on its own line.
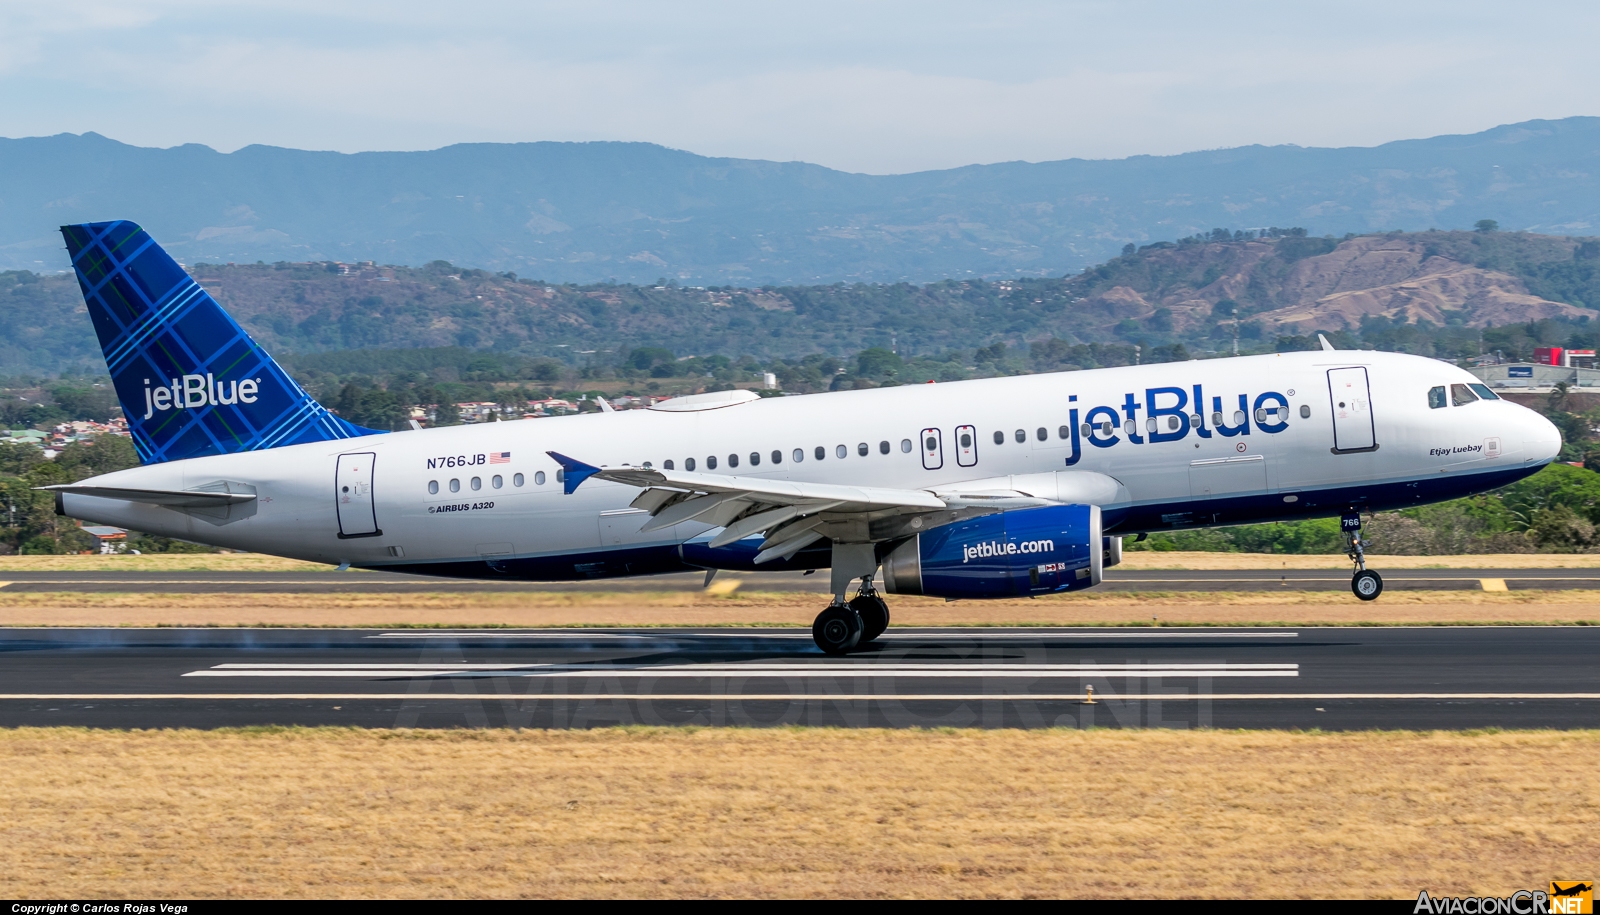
<point x="1315" y="434"/>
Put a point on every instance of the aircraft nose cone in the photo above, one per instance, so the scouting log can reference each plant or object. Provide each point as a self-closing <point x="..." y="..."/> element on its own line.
<point x="1541" y="441"/>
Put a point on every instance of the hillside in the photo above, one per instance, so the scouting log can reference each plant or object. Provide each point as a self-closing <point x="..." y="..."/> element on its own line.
<point x="634" y="212"/>
<point x="1430" y="292"/>
<point x="1299" y="285"/>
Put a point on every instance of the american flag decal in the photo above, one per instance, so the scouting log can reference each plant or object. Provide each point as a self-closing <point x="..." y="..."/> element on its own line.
<point x="499" y="457"/>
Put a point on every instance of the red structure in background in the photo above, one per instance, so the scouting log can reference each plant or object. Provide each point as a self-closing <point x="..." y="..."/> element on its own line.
<point x="1549" y="355"/>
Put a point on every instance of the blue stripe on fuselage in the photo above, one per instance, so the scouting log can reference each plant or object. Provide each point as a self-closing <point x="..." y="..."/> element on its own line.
<point x="657" y="559"/>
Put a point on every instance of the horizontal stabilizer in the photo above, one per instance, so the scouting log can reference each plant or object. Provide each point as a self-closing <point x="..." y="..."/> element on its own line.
<point x="171" y="498"/>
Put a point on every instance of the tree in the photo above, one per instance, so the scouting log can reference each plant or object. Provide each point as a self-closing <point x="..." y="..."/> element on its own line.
<point x="1128" y="249"/>
<point x="1485" y="226"/>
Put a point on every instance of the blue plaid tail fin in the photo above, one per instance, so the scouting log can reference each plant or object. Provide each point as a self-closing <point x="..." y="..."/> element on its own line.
<point x="190" y="380"/>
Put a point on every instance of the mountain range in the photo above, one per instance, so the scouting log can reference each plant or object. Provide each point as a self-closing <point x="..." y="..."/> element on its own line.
<point x="636" y="212"/>
<point x="1428" y="292"/>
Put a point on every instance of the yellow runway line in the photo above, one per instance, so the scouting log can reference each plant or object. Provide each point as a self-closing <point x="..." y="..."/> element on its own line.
<point x="1493" y="584"/>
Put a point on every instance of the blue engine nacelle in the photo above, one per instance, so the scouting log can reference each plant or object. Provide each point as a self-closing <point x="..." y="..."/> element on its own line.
<point x="1010" y="554"/>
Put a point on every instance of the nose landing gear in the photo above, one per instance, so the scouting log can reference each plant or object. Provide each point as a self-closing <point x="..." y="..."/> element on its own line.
<point x="842" y="627"/>
<point x="1366" y="584"/>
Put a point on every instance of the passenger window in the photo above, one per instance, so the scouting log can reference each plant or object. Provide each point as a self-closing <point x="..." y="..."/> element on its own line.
<point x="561" y="476"/>
<point x="1461" y="395"/>
<point x="1042" y="434"/>
<point x="498" y="481"/>
<point x="1484" y="392"/>
<point x="1130" y="427"/>
<point x="999" y="437"/>
<point x="798" y="455"/>
<point x="883" y="447"/>
<point x="1194" y="421"/>
<point x="1064" y="432"/>
<point x="1173" y="423"/>
<point x="647" y="465"/>
<point x="966" y="440"/>
<point x="1086" y="429"/>
<point x="820" y="453"/>
<point x="538" y="479"/>
<point x="667" y="465"/>
<point x="755" y="459"/>
<point x="1238" y="417"/>
<point x="1216" y="419"/>
<point x="433" y="487"/>
<point x="840" y="451"/>
<point x="777" y="457"/>
<point x="862" y="449"/>
<point x="905" y="446"/>
<point x="688" y="464"/>
<point x="733" y="460"/>
<point x="477" y="483"/>
<point x="1436" y="397"/>
<point x="1022" y="436"/>
<point x="711" y="462"/>
<point x="455" y="485"/>
<point x="1305" y="411"/>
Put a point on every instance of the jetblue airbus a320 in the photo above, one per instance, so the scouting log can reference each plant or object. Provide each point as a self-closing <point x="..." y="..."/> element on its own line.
<point x="977" y="489"/>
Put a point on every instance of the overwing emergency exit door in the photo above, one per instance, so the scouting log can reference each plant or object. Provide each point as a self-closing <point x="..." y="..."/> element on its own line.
<point x="352" y="491"/>
<point x="1351" y="400"/>
<point x="966" y="446"/>
<point x="932" y="449"/>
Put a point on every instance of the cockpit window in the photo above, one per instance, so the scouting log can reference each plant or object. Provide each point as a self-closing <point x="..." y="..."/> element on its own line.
<point x="1461" y="395"/>
<point x="1436" y="397"/>
<point x="1484" y="392"/>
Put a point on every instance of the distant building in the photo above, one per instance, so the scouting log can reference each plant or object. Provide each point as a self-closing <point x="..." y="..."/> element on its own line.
<point x="108" y="539"/>
<point x="477" y="411"/>
<point x="550" y="407"/>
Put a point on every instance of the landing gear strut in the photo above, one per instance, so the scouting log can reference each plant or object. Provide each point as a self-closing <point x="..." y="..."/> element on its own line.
<point x="843" y="627"/>
<point x="1366" y="583"/>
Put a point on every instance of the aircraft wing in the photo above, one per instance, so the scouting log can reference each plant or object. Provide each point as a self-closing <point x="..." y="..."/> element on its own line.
<point x="792" y="514"/>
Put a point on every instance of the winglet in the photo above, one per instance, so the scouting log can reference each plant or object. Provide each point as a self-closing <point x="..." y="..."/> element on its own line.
<point x="1326" y="346"/>
<point x="573" y="472"/>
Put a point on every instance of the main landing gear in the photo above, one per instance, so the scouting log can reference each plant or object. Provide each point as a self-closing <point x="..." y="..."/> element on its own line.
<point x="843" y="627"/>
<point x="1366" y="583"/>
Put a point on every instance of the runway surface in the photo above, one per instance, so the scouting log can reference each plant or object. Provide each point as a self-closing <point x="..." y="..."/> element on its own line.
<point x="1115" y="580"/>
<point x="1330" y="678"/>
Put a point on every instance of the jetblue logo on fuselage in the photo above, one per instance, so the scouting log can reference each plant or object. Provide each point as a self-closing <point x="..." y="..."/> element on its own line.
<point x="1168" y="414"/>
<point x="191" y="392"/>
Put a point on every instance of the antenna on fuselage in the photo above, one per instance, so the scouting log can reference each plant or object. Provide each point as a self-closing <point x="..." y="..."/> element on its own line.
<point x="1326" y="346"/>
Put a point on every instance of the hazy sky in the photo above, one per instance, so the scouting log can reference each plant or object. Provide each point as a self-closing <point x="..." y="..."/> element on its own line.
<point x="876" y="87"/>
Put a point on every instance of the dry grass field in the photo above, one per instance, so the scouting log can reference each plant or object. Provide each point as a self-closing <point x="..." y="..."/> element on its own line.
<point x="795" y="813"/>
<point x="742" y="608"/>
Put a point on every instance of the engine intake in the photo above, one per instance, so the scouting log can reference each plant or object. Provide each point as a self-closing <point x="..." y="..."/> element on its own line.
<point x="1030" y="551"/>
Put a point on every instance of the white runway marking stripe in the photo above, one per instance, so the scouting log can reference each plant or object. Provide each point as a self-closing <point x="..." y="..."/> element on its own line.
<point x="759" y="671"/>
